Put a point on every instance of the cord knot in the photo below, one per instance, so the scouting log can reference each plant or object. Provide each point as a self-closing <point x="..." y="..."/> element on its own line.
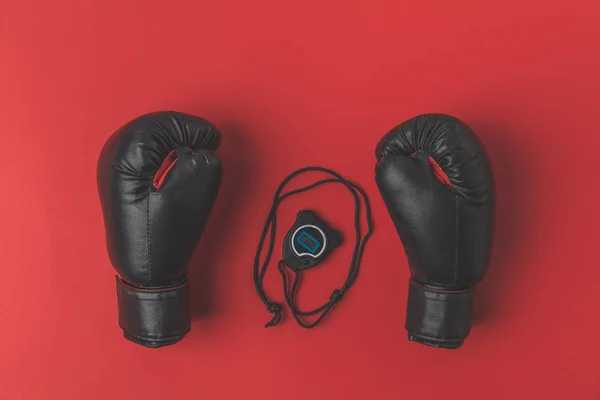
<point x="274" y="307"/>
<point x="276" y="310"/>
<point x="335" y="296"/>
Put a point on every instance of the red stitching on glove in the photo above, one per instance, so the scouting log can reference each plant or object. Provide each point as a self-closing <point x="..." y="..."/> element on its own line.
<point x="164" y="169"/>
<point x="438" y="171"/>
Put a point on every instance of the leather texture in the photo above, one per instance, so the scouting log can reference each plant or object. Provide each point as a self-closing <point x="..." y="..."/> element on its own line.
<point x="153" y="225"/>
<point x="446" y="228"/>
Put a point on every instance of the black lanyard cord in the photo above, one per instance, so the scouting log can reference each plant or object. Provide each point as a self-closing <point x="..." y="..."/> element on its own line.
<point x="271" y="224"/>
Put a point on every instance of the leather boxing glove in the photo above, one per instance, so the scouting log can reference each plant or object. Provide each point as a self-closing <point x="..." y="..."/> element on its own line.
<point x="158" y="178"/>
<point x="437" y="183"/>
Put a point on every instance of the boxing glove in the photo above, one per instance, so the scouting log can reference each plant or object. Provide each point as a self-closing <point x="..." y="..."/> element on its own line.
<point x="157" y="178"/>
<point x="436" y="180"/>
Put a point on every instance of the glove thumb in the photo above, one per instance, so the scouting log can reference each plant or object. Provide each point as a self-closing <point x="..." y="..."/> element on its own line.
<point x="416" y="199"/>
<point x="404" y="178"/>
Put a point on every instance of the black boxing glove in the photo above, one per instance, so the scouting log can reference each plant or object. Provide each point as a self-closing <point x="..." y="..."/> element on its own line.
<point x="437" y="183"/>
<point x="158" y="178"/>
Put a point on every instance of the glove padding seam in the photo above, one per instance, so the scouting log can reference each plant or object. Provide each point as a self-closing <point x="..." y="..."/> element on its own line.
<point x="456" y="243"/>
<point x="151" y="294"/>
<point x="439" y="339"/>
<point x="428" y="289"/>
<point x="151" y="290"/>
<point x="148" y="241"/>
<point x="157" y="338"/>
<point x="155" y="297"/>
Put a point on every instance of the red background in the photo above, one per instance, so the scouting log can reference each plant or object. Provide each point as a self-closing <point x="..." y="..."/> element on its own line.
<point x="293" y="84"/>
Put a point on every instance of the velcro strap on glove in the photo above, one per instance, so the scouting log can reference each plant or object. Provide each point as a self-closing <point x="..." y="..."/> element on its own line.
<point x="438" y="317"/>
<point x="154" y="317"/>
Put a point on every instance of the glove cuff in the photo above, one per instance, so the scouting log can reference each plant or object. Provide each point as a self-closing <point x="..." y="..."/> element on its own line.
<point x="154" y="317"/>
<point x="438" y="317"/>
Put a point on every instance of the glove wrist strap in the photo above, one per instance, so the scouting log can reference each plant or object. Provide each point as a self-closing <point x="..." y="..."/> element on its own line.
<point x="154" y="317"/>
<point x="438" y="317"/>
